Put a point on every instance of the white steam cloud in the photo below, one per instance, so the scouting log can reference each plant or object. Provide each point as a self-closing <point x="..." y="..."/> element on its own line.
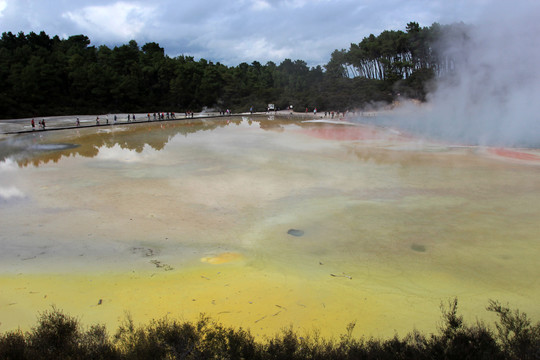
<point x="495" y="97"/>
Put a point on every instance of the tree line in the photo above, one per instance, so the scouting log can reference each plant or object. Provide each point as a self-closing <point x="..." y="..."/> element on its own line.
<point x="42" y="75"/>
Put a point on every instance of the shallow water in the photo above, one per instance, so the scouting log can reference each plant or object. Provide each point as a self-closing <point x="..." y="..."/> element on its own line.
<point x="186" y="217"/>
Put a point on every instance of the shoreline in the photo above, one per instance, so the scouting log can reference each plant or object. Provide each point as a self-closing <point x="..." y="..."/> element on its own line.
<point x="86" y="121"/>
<point x="67" y="122"/>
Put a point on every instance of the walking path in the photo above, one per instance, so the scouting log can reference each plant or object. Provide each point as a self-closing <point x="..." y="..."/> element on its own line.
<point x="21" y="126"/>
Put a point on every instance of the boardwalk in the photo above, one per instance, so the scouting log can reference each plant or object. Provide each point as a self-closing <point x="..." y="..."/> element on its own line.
<point x="21" y="126"/>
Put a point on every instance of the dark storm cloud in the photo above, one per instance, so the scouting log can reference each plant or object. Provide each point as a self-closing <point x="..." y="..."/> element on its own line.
<point x="233" y="31"/>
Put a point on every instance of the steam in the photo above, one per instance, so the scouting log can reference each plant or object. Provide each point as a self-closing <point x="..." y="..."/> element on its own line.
<point x="494" y="96"/>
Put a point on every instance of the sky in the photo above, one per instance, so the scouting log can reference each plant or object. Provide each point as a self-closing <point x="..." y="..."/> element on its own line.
<point x="233" y="31"/>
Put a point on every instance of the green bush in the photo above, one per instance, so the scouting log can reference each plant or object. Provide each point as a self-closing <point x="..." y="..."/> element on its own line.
<point x="13" y="345"/>
<point x="516" y="336"/>
<point x="56" y="335"/>
<point x="60" y="336"/>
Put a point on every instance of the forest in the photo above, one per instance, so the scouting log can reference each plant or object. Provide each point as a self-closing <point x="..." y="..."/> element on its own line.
<point x="42" y="75"/>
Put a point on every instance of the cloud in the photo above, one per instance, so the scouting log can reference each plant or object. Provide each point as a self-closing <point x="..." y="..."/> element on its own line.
<point x="254" y="48"/>
<point x="274" y="31"/>
<point x="299" y="4"/>
<point x="3" y="5"/>
<point x="120" y="20"/>
<point x="260" y="5"/>
<point x="222" y="31"/>
<point x="117" y="153"/>
<point x="8" y="165"/>
<point x="8" y="193"/>
<point x="258" y="48"/>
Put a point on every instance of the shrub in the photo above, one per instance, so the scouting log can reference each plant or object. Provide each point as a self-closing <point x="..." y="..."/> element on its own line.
<point x="56" y="336"/>
<point x="518" y="338"/>
<point x="13" y="345"/>
<point x="59" y="336"/>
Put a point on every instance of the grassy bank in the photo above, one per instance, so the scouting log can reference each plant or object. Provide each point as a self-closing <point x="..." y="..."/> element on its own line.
<point x="60" y="336"/>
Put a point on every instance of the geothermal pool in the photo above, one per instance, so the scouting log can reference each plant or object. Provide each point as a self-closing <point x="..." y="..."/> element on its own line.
<point x="264" y="223"/>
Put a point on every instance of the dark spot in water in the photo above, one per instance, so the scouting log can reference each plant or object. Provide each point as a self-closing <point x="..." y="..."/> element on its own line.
<point x="418" y="247"/>
<point x="295" y="232"/>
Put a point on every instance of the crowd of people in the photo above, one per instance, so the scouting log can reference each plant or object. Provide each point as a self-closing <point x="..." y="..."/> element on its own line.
<point x="171" y="116"/>
<point x="130" y="118"/>
<point x="41" y="124"/>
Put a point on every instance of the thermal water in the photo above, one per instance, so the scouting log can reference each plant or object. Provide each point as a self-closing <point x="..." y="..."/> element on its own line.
<point x="264" y="224"/>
